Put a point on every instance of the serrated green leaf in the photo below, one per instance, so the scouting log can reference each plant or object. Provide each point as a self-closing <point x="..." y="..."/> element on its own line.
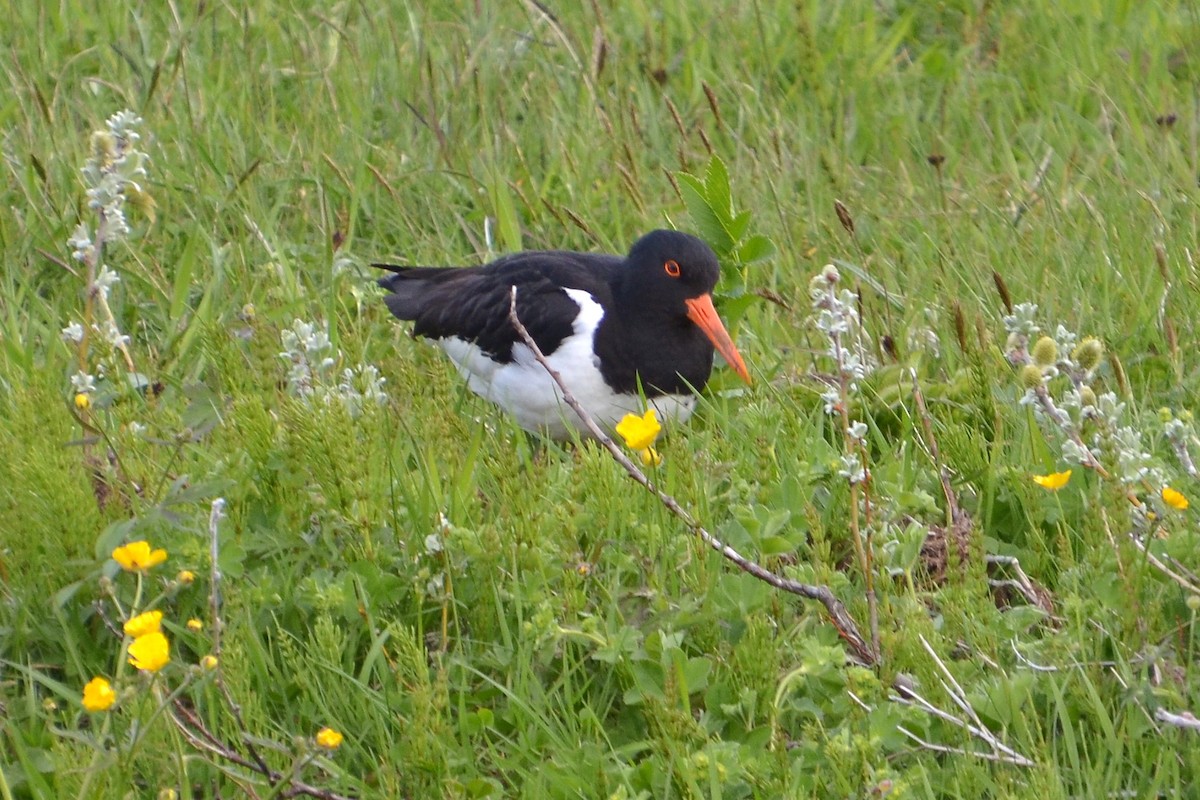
<point x="717" y="192"/>
<point x="708" y="224"/>
<point x="738" y="225"/>
<point x="734" y="308"/>
<point x="756" y="248"/>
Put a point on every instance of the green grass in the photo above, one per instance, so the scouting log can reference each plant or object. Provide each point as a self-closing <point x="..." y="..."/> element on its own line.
<point x="581" y="643"/>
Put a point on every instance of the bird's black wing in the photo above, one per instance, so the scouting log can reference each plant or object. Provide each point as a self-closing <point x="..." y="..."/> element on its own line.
<point x="472" y="303"/>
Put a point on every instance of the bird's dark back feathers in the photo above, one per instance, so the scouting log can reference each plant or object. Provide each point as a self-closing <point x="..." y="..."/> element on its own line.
<point x="472" y="303"/>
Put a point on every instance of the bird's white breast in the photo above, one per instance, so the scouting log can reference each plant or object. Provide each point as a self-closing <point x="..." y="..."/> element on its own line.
<point x="524" y="389"/>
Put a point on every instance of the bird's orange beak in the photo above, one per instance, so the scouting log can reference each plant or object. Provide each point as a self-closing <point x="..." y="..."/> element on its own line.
<point x="701" y="311"/>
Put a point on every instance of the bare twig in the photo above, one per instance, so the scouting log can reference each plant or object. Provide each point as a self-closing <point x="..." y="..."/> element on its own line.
<point x="1152" y="559"/>
<point x="969" y="721"/>
<point x="214" y="576"/>
<point x="1022" y="583"/>
<point x="842" y="620"/>
<point x="1183" y="719"/>
<point x="940" y="748"/>
<point x="201" y="738"/>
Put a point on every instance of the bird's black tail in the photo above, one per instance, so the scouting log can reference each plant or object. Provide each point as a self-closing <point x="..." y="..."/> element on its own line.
<point x="410" y="287"/>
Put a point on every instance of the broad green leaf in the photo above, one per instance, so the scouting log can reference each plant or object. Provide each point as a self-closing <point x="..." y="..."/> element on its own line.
<point x="738" y="225"/>
<point x="694" y="674"/>
<point x="756" y="248"/>
<point x="716" y="190"/>
<point x="708" y="224"/>
<point x="734" y="308"/>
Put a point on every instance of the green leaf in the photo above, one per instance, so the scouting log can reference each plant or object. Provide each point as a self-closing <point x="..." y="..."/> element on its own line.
<point x="734" y="308"/>
<point x="756" y="248"/>
<point x="112" y="536"/>
<point x="708" y="223"/>
<point x="738" y="225"/>
<point x="717" y="192"/>
<point x="694" y="674"/>
<point x="185" y="267"/>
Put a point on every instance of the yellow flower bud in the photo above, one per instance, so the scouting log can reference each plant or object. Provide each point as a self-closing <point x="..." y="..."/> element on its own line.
<point x="1054" y="481"/>
<point x="151" y="652"/>
<point x="639" y="432"/>
<point x="1031" y="376"/>
<point x="98" y="695"/>
<point x="142" y="624"/>
<point x="1045" y="351"/>
<point x="83" y="401"/>
<point x="1087" y="354"/>
<point x="329" y="738"/>
<point x="209" y="663"/>
<point x="1174" y="498"/>
<point x="138" y="556"/>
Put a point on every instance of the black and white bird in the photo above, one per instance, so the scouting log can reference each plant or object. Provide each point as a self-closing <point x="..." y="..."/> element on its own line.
<point x="616" y="329"/>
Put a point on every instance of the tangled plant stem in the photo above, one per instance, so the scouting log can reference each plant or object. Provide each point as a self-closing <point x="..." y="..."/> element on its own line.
<point x="842" y="621"/>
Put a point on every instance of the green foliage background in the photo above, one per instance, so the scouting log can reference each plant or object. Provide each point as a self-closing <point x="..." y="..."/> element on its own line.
<point x="570" y="639"/>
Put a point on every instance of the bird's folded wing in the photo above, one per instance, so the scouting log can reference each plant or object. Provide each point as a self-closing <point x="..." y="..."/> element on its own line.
<point x="473" y="304"/>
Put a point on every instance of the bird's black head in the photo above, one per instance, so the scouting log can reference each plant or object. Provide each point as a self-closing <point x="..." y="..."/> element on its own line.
<point x="669" y="267"/>
<point x="666" y="294"/>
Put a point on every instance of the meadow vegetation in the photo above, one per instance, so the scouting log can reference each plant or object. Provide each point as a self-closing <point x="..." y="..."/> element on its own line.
<point x="973" y="427"/>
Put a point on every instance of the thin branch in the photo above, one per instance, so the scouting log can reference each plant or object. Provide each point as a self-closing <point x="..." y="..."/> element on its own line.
<point x="940" y="748"/>
<point x="970" y="721"/>
<point x="214" y="576"/>
<point x="201" y="738"/>
<point x="1184" y="719"/>
<point x="837" y="611"/>
<point x="1150" y="557"/>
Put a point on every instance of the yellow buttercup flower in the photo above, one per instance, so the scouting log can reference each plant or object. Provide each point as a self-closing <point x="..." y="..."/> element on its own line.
<point x="151" y="652"/>
<point x="194" y="625"/>
<point x="142" y="624"/>
<point x="138" y="557"/>
<point x="98" y="695"/>
<point x="1054" y="481"/>
<point x="639" y="432"/>
<point x="1174" y="498"/>
<point x="329" y="738"/>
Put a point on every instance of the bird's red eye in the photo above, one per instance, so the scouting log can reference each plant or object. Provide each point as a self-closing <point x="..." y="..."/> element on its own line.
<point x="672" y="268"/>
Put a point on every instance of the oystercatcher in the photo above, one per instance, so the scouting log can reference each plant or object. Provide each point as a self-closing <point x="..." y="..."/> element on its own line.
<point x="616" y="329"/>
